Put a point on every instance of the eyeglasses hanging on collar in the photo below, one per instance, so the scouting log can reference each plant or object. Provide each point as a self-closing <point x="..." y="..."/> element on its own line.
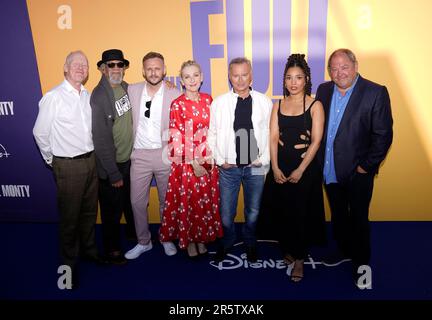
<point x="148" y="106"/>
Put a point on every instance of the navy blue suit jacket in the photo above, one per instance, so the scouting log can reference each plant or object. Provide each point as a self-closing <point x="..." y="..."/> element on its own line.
<point x="365" y="132"/>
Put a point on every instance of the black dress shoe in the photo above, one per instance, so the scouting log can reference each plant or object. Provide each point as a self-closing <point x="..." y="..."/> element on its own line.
<point x="251" y="254"/>
<point x="99" y="260"/>
<point x="220" y="254"/>
<point x="131" y="237"/>
<point x="116" y="257"/>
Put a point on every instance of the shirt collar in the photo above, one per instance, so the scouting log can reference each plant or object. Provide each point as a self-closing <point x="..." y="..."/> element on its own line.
<point x="158" y="93"/>
<point x="236" y="95"/>
<point x="67" y="85"/>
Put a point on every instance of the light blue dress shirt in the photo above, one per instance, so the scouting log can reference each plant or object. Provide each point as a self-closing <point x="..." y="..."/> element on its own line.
<point x="337" y="109"/>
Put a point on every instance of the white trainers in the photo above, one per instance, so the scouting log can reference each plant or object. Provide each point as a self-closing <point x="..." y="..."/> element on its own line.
<point x="136" y="251"/>
<point x="169" y="248"/>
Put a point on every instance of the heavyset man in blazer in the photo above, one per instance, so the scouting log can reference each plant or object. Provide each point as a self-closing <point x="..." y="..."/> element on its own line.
<point x="358" y="133"/>
<point x="151" y="101"/>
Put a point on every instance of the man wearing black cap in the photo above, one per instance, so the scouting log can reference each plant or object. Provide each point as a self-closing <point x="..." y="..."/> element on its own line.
<point x="112" y="138"/>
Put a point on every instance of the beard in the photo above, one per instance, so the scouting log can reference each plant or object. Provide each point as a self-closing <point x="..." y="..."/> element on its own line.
<point x="155" y="81"/>
<point x="116" y="78"/>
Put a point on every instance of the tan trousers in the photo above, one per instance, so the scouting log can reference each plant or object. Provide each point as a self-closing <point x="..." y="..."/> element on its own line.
<point x="146" y="163"/>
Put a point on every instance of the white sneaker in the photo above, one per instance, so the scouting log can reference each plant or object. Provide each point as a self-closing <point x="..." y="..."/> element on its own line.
<point x="136" y="251"/>
<point x="169" y="248"/>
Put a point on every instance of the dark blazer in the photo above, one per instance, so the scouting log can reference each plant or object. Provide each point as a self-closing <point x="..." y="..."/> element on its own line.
<point x="365" y="132"/>
<point x="102" y="102"/>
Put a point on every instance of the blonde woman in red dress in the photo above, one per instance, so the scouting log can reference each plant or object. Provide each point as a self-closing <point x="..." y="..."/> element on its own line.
<point x="191" y="212"/>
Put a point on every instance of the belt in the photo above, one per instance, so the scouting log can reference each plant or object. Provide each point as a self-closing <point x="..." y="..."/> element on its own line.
<point x="81" y="156"/>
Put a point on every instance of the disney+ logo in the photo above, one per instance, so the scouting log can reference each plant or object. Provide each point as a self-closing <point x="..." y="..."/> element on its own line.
<point x="3" y="152"/>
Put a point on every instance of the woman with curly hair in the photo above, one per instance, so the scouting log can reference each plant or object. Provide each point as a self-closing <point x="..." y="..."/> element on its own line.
<point x="292" y="203"/>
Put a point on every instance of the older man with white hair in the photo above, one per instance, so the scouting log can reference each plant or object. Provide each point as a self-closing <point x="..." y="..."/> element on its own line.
<point x="63" y="133"/>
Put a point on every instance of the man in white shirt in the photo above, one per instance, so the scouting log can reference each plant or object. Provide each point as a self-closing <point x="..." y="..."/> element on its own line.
<point x="239" y="139"/>
<point x="63" y="133"/>
<point x="151" y="101"/>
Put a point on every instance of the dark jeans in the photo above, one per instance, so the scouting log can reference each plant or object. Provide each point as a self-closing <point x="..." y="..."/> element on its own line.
<point x="77" y="185"/>
<point x="349" y="204"/>
<point x="113" y="202"/>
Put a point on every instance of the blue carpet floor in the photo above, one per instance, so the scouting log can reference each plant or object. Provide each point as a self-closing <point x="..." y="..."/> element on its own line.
<point x="401" y="270"/>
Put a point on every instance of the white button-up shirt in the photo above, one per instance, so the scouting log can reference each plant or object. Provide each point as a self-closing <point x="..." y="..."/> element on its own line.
<point x="148" y="134"/>
<point x="63" y="125"/>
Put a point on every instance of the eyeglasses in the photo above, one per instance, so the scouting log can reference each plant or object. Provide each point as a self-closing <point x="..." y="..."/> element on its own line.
<point x="113" y="64"/>
<point x="147" y="112"/>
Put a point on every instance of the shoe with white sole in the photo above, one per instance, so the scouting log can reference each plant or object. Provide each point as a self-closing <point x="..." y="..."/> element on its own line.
<point x="136" y="251"/>
<point x="169" y="248"/>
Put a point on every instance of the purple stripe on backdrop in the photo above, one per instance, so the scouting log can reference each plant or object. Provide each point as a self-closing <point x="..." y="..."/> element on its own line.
<point x="235" y="29"/>
<point x="261" y="44"/>
<point x="203" y="51"/>
<point x="281" y="42"/>
<point x="317" y="40"/>
<point x="27" y="190"/>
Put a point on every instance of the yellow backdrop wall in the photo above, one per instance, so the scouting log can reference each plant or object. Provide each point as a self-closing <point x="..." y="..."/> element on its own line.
<point x="389" y="38"/>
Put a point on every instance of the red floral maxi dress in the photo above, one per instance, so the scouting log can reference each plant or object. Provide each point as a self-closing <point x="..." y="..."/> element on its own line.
<point x="191" y="212"/>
